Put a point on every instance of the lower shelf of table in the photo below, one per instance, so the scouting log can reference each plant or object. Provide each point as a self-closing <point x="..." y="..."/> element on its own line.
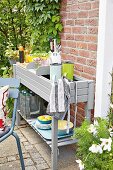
<point x="46" y="134"/>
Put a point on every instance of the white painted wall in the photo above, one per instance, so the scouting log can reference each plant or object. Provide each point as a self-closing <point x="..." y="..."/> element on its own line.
<point x="104" y="58"/>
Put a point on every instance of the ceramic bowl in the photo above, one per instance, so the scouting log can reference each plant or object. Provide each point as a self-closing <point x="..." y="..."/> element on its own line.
<point x="44" y="119"/>
<point x="62" y="127"/>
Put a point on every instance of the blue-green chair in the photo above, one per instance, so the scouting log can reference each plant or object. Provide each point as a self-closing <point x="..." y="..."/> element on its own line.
<point x="13" y="93"/>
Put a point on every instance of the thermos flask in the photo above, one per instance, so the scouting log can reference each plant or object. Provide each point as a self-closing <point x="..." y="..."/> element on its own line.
<point x="55" y="71"/>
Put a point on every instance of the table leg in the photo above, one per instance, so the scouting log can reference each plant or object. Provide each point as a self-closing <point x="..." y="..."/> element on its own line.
<point x="54" y="153"/>
<point x="18" y="118"/>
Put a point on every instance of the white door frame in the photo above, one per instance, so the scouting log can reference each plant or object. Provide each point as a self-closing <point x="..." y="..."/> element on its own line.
<point x="104" y="58"/>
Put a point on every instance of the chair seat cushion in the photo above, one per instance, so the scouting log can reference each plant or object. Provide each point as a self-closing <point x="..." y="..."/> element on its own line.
<point x="4" y="93"/>
<point x="5" y="131"/>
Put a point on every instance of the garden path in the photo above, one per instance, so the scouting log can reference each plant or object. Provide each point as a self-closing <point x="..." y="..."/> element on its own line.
<point x="35" y="151"/>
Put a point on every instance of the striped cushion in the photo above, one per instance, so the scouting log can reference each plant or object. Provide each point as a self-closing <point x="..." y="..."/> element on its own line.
<point x="5" y="131"/>
<point x="4" y="93"/>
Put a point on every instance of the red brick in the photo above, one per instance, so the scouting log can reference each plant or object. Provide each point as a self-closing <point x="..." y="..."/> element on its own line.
<point x="95" y="5"/>
<point x="81" y="110"/>
<point x="63" y="43"/>
<point x="91" y="22"/>
<point x="69" y="2"/>
<point x="72" y="107"/>
<point x="70" y="22"/>
<point x="63" y="15"/>
<point x="92" y="47"/>
<point x="80" y="118"/>
<point x="79" y="37"/>
<point x="83" y="14"/>
<point x="84" y="53"/>
<point x="81" y="45"/>
<point x="71" y="44"/>
<point x="91" y="62"/>
<point x="74" y="51"/>
<point x="93" y="54"/>
<point x="63" y="36"/>
<point x="68" y="57"/>
<point x="87" y="76"/>
<point x="64" y="1"/>
<point x="74" y="7"/>
<point x="72" y="58"/>
<point x="63" y="55"/>
<point x="81" y="105"/>
<point x="63" y="7"/>
<point x="78" y="67"/>
<point x="91" y="71"/>
<point x="68" y="8"/>
<point x="76" y="72"/>
<point x="72" y="15"/>
<point x="79" y="22"/>
<point x="93" y="30"/>
<point x="63" y="22"/>
<point x="65" y="50"/>
<point x="79" y="30"/>
<point x="69" y="37"/>
<point x="84" y="6"/>
<point x="82" y="0"/>
<point x="93" y="13"/>
<point x="90" y="38"/>
<point x="81" y="60"/>
<point x="67" y="29"/>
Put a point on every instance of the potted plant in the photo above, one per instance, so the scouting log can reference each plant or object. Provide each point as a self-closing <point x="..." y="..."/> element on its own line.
<point x="95" y="145"/>
<point x="12" y="55"/>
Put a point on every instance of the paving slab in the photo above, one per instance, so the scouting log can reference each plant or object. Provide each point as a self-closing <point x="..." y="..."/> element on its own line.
<point x="37" y="154"/>
<point x="30" y="135"/>
<point x="14" y="165"/>
<point x="6" y="148"/>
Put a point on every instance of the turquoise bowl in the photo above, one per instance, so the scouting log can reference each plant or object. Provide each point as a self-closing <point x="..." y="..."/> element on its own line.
<point x="44" y="121"/>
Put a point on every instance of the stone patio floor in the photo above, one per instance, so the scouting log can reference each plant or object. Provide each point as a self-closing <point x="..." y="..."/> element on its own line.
<point x="37" y="154"/>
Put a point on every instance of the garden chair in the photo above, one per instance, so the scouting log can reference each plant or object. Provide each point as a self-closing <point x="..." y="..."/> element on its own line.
<point x="13" y="93"/>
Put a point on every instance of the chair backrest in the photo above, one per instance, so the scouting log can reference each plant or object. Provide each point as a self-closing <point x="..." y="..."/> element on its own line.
<point x="13" y="84"/>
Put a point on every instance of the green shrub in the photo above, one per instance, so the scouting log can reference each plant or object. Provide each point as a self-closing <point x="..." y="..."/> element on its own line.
<point x="95" y="146"/>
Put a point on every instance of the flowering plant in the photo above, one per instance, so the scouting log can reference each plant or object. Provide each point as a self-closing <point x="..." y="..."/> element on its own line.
<point x="95" y="145"/>
<point x="10" y="53"/>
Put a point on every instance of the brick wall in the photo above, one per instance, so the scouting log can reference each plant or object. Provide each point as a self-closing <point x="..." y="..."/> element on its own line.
<point x="79" y="38"/>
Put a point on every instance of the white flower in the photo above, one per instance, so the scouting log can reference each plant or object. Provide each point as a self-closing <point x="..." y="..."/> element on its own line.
<point x="106" y="143"/>
<point x="110" y="129"/>
<point x="111" y="132"/>
<point x="96" y="148"/>
<point x="92" y="129"/>
<point x="111" y="105"/>
<point x="81" y="164"/>
<point x="95" y="122"/>
<point x="14" y="9"/>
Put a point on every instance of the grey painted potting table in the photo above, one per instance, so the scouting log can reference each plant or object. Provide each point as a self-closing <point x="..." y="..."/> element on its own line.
<point x="82" y="90"/>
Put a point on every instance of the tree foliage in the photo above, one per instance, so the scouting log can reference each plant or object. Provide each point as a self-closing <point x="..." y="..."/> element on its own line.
<point x="28" y="22"/>
<point x="13" y="27"/>
<point x="43" y="18"/>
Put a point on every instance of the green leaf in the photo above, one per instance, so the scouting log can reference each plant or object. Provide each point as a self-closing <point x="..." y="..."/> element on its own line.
<point x="54" y="32"/>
